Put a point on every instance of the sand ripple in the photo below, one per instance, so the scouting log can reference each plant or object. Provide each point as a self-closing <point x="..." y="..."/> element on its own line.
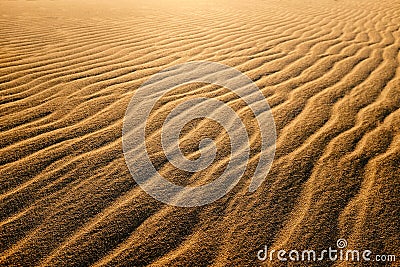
<point x="329" y="69"/>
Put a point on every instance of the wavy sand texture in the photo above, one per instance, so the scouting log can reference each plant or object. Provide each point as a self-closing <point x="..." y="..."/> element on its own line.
<point x="329" y="69"/>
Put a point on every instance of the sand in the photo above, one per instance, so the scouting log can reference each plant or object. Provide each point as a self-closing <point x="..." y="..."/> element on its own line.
<point x="329" y="70"/>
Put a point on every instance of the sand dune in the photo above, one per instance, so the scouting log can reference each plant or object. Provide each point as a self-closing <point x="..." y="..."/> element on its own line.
<point x="329" y="70"/>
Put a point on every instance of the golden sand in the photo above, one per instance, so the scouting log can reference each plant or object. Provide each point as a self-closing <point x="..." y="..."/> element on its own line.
<point x="68" y="69"/>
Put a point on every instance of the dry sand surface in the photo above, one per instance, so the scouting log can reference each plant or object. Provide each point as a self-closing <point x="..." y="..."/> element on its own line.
<point x="68" y="69"/>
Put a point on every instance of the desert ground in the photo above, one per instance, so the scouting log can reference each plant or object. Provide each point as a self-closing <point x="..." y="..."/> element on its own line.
<point x="329" y="70"/>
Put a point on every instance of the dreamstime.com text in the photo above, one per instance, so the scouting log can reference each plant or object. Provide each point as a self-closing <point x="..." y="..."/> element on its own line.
<point x="330" y="254"/>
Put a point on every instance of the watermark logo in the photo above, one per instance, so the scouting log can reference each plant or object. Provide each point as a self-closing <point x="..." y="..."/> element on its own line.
<point x="341" y="243"/>
<point x="142" y="104"/>
<point x="331" y="254"/>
